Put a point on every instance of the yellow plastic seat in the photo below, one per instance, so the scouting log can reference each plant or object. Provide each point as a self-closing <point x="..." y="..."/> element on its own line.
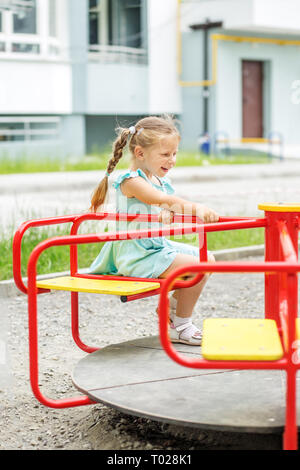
<point x="228" y="339"/>
<point x="98" y="286"/>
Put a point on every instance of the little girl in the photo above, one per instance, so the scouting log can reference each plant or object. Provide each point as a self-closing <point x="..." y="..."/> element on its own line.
<point x="153" y="143"/>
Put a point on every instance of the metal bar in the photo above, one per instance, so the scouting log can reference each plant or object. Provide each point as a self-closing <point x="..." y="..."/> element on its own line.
<point x="178" y="218"/>
<point x="283" y="309"/>
<point x="203" y="248"/>
<point x="284" y="363"/>
<point x="274" y="252"/>
<point x="288" y="249"/>
<point x="17" y="242"/>
<point x="290" y="437"/>
<point x="171" y="231"/>
<point x="75" y="325"/>
<point x="129" y="298"/>
<point x="33" y="352"/>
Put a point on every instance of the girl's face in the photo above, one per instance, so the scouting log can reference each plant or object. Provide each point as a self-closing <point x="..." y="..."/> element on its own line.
<point x="158" y="159"/>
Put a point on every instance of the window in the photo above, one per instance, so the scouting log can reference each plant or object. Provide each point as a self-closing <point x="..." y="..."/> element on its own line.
<point x="115" y="22"/>
<point x="116" y="31"/>
<point x="24" y="21"/>
<point x="98" y="21"/>
<point x="30" y="28"/>
<point x="130" y="23"/>
<point x="16" y="129"/>
<point x="94" y="14"/>
<point x="25" y="48"/>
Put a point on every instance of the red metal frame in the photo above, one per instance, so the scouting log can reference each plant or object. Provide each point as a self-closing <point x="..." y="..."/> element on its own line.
<point x="77" y="220"/>
<point x="73" y="240"/>
<point x="281" y="289"/>
<point x="281" y="286"/>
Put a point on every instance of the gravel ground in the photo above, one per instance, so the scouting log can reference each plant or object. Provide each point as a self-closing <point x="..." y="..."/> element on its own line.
<point x="26" y="424"/>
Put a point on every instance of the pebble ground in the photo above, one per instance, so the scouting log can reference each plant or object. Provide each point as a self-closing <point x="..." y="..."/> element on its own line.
<point x="26" y="424"/>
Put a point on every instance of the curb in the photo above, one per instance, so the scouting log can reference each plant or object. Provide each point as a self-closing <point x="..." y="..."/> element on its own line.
<point x="232" y="254"/>
<point x="9" y="289"/>
<point x="87" y="180"/>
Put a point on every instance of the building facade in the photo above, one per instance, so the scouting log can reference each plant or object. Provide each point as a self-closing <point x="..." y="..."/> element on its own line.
<point x="73" y="70"/>
<point x="247" y="52"/>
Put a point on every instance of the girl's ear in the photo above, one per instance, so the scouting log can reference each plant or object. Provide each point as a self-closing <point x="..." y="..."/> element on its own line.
<point x="138" y="152"/>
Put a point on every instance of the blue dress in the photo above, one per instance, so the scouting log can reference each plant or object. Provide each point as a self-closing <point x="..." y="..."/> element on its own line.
<point x="146" y="257"/>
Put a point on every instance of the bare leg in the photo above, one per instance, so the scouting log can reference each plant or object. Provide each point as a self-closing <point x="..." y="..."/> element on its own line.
<point x="186" y="297"/>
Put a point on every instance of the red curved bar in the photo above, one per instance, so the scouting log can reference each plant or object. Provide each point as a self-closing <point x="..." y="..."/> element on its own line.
<point x="73" y="240"/>
<point x="288" y="249"/>
<point x="280" y="267"/>
<point x="74" y="263"/>
<point x="77" y="219"/>
<point x="289" y="293"/>
<point x="17" y="242"/>
<point x="271" y="267"/>
<point x="32" y="299"/>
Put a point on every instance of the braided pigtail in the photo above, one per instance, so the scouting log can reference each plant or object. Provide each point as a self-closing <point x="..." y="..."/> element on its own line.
<point x="100" y="193"/>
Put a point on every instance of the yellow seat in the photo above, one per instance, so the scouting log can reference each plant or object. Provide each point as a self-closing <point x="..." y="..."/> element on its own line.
<point x="228" y="339"/>
<point x="98" y="286"/>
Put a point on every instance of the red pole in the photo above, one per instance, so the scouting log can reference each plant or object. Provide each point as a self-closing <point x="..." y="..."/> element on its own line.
<point x="33" y="347"/>
<point x="75" y="325"/>
<point x="281" y="291"/>
<point x="273" y="252"/>
<point x="290" y="436"/>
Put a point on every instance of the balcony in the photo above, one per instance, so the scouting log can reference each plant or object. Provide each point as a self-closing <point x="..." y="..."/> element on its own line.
<point x="117" y="55"/>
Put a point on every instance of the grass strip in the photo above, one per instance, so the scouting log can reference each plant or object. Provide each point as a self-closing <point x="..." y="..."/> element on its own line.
<point x="27" y="164"/>
<point x="57" y="259"/>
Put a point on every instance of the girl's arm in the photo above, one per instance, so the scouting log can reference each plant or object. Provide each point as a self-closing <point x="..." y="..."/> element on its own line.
<point x="140" y="189"/>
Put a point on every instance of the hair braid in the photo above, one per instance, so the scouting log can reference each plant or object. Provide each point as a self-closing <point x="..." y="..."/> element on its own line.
<point x="100" y="193"/>
<point x="118" y="147"/>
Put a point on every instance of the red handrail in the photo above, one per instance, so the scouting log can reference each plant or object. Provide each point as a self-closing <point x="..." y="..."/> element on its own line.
<point x="73" y="240"/>
<point x="222" y="267"/>
<point x="17" y="244"/>
<point x="228" y="223"/>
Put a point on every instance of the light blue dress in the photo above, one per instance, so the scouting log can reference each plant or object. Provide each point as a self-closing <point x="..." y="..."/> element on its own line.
<point x="146" y="257"/>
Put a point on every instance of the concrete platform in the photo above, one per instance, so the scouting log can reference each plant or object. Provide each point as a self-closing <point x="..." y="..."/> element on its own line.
<point x="138" y="378"/>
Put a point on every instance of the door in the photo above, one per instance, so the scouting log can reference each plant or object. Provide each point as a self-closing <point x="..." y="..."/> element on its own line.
<point x="252" y="78"/>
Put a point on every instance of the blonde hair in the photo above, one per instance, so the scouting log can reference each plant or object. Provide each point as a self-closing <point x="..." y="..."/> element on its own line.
<point x="147" y="132"/>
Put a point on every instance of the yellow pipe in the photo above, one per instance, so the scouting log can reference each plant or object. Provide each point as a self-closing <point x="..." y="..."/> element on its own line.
<point x="250" y="140"/>
<point x="215" y="38"/>
<point x="280" y="42"/>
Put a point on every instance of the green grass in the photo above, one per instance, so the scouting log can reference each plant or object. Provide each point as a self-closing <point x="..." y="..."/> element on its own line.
<point x="227" y="239"/>
<point x="99" y="161"/>
<point x="193" y="159"/>
<point x="56" y="259"/>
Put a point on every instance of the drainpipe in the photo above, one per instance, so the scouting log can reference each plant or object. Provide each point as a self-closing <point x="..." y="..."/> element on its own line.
<point x="205" y="27"/>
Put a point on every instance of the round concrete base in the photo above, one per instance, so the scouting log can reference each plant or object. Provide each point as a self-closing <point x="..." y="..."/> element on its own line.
<point x="138" y="378"/>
